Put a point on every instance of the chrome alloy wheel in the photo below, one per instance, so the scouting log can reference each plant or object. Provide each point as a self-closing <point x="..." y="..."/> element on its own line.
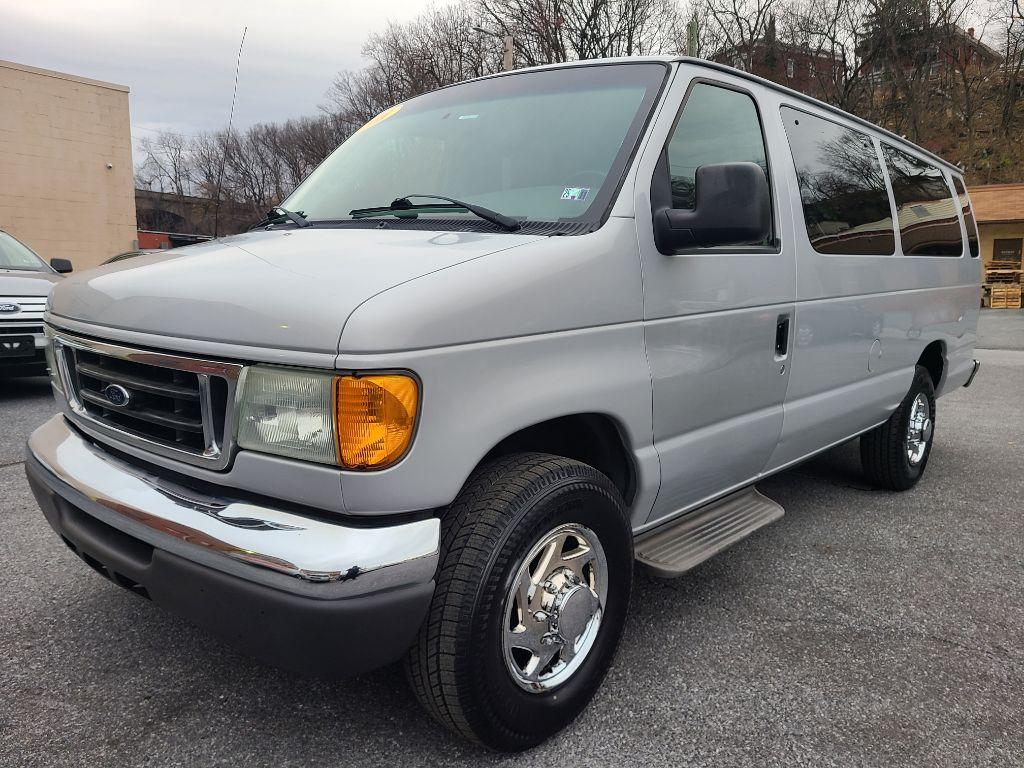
<point x="553" y="610"/>
<point x="919" y="429"/>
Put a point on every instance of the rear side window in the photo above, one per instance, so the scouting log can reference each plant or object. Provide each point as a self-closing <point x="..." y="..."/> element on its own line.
<point x="972" y="225"/>
<point x="924" y="206"/>
<point x="842" y="189"/>
<point x="717" y="125"/>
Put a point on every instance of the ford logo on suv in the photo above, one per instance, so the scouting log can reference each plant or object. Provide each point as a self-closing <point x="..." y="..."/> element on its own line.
<point x="9" y="309"/>
<point x="116" y="395"/>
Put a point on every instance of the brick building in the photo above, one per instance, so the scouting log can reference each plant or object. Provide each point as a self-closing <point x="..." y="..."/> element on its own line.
<point x="66" y="176"/>
<point x="915" y="44"/>
<point x="797" y="66"/>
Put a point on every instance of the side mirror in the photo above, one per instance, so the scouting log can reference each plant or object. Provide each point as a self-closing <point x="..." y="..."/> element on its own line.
<point x="733" y="207"/>
<point x="61" y="265"/>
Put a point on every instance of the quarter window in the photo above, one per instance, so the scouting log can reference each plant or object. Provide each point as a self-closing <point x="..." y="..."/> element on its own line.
<point x="969" y="221"/>
<point x="925" y="208"/>
<point x="717" y="125"/>
<point x="842" y="189"/>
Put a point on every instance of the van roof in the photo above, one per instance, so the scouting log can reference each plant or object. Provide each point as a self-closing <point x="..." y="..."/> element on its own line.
<point x="706" y="64"/>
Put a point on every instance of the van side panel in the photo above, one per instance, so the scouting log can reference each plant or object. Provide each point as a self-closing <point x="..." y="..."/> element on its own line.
<point x="833" y="394"/>
<point x="862" y="323"/>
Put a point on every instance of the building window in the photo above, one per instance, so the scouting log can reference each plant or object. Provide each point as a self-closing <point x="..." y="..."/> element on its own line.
<point x="790" y="68"/>
<point x="1007" y="250"/>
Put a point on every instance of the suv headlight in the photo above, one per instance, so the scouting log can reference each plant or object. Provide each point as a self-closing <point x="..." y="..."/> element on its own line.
<point x="356" y="422"/>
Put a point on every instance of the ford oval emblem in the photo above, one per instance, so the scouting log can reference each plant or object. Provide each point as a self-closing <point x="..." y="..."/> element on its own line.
<point x="9" y="308"/>
<point x="116" y="395"/>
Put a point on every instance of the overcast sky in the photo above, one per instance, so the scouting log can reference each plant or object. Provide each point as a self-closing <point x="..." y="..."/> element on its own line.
<point x="178" y="56"/>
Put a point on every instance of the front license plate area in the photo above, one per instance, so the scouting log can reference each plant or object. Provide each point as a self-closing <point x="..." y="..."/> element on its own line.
<point x="17" y="346"/>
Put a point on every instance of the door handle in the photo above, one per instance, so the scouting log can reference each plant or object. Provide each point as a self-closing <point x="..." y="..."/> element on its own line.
<point x="782" y="337"/>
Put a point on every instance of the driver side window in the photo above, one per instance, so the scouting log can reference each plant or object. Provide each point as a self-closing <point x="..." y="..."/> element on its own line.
<point x="717" y="125"/>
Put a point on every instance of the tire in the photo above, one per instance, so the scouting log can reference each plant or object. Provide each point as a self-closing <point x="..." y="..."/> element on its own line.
<point x="884" y="451"/>
<point x="460" y="667"/>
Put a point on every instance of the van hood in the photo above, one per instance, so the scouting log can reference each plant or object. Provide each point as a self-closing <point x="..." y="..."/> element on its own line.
<point x="286" y="289"/>
<point x="21" y="282"/>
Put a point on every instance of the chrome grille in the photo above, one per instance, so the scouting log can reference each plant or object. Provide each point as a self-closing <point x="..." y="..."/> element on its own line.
<point x="168" y="404"/>
<point x="28" y="318"/>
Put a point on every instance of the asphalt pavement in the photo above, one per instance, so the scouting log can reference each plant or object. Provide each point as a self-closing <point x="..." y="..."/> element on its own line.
<point x="864" y="628"/>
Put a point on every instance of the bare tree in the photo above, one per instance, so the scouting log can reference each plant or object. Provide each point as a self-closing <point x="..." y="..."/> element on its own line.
<point x="828" y="30"/>
<point x="736" y="26"/>
<point x="552" y="31"/>
<point x="167" y="164"/>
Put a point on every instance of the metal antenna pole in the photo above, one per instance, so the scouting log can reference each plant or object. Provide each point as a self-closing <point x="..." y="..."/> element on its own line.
<point x="227" y="142"/>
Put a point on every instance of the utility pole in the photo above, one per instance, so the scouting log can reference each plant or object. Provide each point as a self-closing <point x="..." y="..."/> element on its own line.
<point x="510" y="48"/>
<point x="691" y="37"/>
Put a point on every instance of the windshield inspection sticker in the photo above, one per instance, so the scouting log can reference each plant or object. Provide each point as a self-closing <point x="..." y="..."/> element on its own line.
<point x="576" y="194"/>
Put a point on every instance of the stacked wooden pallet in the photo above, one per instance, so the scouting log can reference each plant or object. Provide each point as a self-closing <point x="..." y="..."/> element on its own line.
<point x="1005" y="296"/>
<point x="1002" y="288"/>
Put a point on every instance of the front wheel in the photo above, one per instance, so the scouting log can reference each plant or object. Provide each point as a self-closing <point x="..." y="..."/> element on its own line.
<point x="894" y="454"/>
<point x="532" y="593"/>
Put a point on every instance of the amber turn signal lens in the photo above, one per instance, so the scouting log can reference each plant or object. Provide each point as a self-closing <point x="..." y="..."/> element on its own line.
<point x="375" y="419"/>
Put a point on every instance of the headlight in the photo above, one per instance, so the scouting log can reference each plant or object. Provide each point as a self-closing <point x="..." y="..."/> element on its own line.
<point x="357" y="422"/>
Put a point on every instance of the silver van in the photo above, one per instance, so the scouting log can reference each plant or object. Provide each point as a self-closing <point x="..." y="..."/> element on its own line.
<point x="25" y="282"/>
<point x="511" y="337"/>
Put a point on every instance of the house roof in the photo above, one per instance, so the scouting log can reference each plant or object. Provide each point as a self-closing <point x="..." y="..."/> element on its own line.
<point x="998" y="203"/>
<point x="977" y="42"/>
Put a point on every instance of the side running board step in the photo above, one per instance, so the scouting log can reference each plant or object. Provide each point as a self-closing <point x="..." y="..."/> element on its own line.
<point x="673" y="550"/>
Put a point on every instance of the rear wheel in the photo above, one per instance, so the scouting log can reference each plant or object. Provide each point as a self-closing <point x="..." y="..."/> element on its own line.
<point x="895" y="454"/>
<point x="534" y="583"/>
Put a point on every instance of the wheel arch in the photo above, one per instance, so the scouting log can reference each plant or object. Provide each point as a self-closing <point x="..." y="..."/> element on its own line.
<point x="596" y="439"/>
<point x="933" y="359"/>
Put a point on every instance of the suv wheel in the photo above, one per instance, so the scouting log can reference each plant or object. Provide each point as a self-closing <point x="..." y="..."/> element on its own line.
<point x="894" y="454"/>
<point x="532" y="593"/>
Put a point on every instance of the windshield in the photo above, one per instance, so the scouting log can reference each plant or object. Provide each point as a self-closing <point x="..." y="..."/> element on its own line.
<point x="544" y="146"/>
<point x="14" y="255"/>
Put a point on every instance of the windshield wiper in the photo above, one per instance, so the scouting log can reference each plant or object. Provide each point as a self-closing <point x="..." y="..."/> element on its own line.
<point x="402" y="204"/>
<point x="276" y="214"/>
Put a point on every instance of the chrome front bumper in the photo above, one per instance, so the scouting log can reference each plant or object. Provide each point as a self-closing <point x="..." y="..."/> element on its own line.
<point x="278" y="548"/>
